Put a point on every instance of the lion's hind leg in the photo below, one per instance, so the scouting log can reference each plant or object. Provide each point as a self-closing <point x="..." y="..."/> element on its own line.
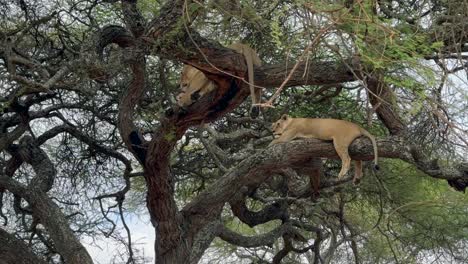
<point x="341" y="149"/>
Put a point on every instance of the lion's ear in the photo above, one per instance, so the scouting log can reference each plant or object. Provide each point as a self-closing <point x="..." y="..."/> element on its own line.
<point x="285" y="117"/>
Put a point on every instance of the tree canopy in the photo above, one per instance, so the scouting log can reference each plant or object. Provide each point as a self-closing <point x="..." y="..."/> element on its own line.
<point x="91" y="135"/>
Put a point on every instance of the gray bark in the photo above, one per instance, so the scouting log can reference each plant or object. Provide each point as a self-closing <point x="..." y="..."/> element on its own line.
<point x="43" y="208"/>
<point x="15" y="251"/>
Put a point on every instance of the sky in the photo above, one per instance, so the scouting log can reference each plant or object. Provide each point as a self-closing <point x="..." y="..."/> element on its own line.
<point x="142" y="236"/>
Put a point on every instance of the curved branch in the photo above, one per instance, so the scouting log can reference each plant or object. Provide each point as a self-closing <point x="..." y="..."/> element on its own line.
<point x="7" y="138"/>
<point x="14" y="250"/>
<point x="277" y="210"/>
<point x="268" y="238"/>
<point x="114" y="34"/>
<point x="133" y="18"/>
<point x="131" y="96"/>
<point x="284" y="251"/>
<point x="42" y="206"/>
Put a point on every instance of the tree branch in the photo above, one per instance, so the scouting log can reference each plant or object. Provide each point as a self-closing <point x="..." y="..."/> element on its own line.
<point x="85" y="139"/>
<point x="7" y="138"/>
<point x="276" y="210"/>
<point x="50" y="215"/>
<point x="383" y="101"/>
<point x="14" y="250"/>
<point x="43" y="208"/>
<point x="261" y="165"/>
<point x="268" y="238"/>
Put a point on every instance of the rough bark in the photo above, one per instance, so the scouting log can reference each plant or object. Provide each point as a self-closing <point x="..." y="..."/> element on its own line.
<point x="42" y="207"/>
<point x="269" y="213"/>
<point x="15" y="251"/>
<point x="258" y="240"/>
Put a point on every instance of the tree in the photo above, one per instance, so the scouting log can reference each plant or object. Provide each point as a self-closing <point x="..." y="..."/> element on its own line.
<point x="88" y="113"/>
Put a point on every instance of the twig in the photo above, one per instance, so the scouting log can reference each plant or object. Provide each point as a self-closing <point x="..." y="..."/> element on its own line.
<point x="301" y="58"/>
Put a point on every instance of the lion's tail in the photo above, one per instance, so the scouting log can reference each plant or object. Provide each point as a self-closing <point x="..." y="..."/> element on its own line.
<point x="374" y="144"/>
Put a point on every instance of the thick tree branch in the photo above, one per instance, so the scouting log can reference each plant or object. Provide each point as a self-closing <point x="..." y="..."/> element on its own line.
<point x="226" y="138"/>
<point x="7" y="138"/>
<point x="260" y="166"/>
<point x="155" y="159"/>
<point x="133" y="18"/>
<point x="259" y="240"/>
<point x="14" y="250"/>
<point x="128" y="131"/>
<point x="28" y="151"/>
<point x="217" y="154"/>
<point x="43" y="208"/>
<point x="202" y="240"/>
<point x="284" y="251"/>
<point x="170" y="31"/>
<point x="383" y="101"/>
<point x="277" y="210"/>
<point x="50" y="215"/>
